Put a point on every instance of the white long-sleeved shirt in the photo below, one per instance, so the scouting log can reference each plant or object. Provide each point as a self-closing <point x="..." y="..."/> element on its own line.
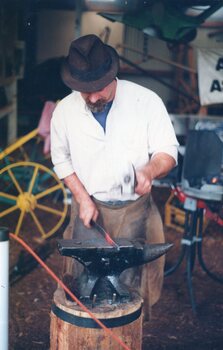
<point x="137" y="126"/>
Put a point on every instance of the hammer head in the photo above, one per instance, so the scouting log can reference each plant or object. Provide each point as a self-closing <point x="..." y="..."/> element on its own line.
<point x="128" y="182"/>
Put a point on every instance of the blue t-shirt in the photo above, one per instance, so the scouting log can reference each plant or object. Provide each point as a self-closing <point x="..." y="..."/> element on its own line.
<point x="102" y="116"/>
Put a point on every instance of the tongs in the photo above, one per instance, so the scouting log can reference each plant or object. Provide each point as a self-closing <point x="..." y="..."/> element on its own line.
<point x="105" y="234"/>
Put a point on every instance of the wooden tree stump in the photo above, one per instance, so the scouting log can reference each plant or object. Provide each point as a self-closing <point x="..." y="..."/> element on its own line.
<point x="72" y="328"/>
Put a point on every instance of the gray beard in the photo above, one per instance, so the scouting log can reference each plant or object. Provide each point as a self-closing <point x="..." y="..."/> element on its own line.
<point x="96" y="107"/>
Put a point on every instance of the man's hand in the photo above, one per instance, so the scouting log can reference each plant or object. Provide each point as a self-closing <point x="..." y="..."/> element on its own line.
<point x="157" y="167"/>
<point x="88" y="211"/>
<point x="143" y="181"/>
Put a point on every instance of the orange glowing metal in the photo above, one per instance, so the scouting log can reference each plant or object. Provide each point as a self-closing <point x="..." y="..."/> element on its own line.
<point x="104" y="233"/>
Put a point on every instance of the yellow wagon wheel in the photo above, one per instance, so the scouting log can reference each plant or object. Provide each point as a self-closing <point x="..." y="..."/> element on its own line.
<point x="31" y="190"/>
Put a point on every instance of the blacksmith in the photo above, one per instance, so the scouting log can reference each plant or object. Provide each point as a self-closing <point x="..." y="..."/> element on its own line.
<point x="110" y="139"/>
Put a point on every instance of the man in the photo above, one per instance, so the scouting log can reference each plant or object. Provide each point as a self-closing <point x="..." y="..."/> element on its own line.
<point x="102" y="135"/>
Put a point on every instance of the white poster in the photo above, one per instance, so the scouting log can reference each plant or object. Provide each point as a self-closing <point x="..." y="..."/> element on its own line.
<point x="210" y="76"/>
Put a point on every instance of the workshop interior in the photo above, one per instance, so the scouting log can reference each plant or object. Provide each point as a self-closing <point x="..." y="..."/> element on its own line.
<point x="174" y="48"/>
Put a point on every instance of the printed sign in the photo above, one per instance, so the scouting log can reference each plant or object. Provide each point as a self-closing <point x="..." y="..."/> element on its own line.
<point x="210" y="76"/>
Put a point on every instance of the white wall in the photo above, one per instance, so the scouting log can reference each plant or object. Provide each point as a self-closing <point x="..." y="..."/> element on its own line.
<point x="136" y="39"/>
<point x="56" y="30"/>
<point x="95" y="24"/>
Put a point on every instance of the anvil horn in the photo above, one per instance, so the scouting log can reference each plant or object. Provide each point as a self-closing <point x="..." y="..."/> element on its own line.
<point x="154" y="251"/>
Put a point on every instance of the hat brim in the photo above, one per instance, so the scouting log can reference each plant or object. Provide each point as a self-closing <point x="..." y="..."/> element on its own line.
<point x="95" y="85"/>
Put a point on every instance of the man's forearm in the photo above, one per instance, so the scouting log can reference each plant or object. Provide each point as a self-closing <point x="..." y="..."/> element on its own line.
<point x="160" y="165"/>
<point x="76" y="187"/>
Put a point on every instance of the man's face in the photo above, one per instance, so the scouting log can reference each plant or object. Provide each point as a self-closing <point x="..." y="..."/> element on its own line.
<point x="96" y="101"/>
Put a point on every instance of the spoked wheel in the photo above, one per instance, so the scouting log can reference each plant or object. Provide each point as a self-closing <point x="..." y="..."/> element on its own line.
<point x="31" y="198"/>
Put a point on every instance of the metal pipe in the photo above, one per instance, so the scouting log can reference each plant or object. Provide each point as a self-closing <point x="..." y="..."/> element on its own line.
<point x="4" y="287"/>
<point x="164" y="60"/>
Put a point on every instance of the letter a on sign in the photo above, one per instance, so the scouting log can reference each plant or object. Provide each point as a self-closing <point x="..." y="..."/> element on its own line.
<point x="210" y="76"/>
<point x="220" y="64"/>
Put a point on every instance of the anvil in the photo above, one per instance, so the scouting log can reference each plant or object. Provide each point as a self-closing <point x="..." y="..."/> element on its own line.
<point x="104" y="263"/>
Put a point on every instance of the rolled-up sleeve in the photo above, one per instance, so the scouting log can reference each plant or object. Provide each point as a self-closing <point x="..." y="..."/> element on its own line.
<point x="60" y="153"/>
<point x="161" y="134"/>
<point x="170" y="150"/>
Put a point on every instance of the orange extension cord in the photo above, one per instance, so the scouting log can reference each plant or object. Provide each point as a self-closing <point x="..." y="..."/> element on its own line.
<point x="54" y="276"/>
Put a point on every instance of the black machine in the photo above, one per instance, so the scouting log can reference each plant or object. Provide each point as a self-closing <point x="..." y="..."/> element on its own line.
<point x="201" y="189"/>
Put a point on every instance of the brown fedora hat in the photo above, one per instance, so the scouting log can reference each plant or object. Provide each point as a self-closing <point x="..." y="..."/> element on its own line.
<point x="90" y="65"/>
